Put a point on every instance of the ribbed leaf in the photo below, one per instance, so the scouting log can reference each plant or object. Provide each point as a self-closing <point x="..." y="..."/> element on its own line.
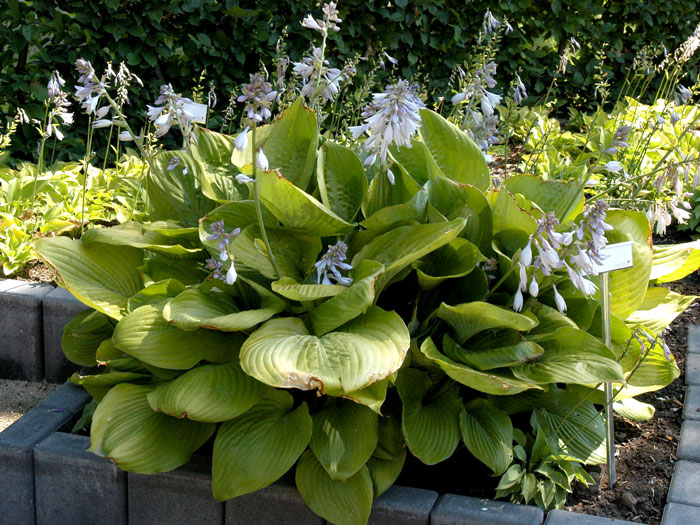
<point x="99" y="384"/>
<point x="430" y="418"/>
<point x="469" y="319"/>
<point x="413" y="210"/>
<point x="372" y="396"/>
<point x="127" y="431"/>
<point x="453" y="260"/>
<point x="571" y="356"/>
<point x="136" y="235"/>
<point x="659" y="309"/>
<point x="147" y="336"/>
<point x="488" y="434"/>
<point x="344" y="437"/>
<point x="417" y="161"/>
<point x="454" y="152"/>
<point x="369" y="348"/>
<point x="83" y="334"/>
<point x="634" y="410"/>
<point x="194" y="309"/>
<point x="347" y="502"/>
<point x="490" y="358"/>
<point x="208" y="393"/>
<point x="353" y="301"/>
<point x="155" y="293"/>
<point x="564" y="198"/>
<point x="101" y="276"/>
<point x="342" y="182"/>
<point x="674" y="261"/>
<point x="384" y="472"/>
<point x="382" y="193"/>
<point x="512" y="223"/>
<point x="291" y="289"/>
<point x="498" y="382"/>
<point x="258" y="447"/>
<point x="213" y="152"/>
<point x="296" y="209"/>
<point x="401" y="246"/>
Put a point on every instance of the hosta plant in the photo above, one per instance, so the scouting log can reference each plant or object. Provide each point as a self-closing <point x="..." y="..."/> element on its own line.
<point x="305" y="311"/>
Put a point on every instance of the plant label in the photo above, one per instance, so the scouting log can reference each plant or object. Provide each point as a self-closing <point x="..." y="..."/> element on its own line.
<point x="198" y="111"/>
<point x="616" y="257"/>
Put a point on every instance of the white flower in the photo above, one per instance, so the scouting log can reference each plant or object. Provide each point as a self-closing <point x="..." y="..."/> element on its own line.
<point x="261" y="161"/>
<point x="311" y="23"/>
<point x="534" y="288"/>
<point x="390" y="176"/>
<point x="526" y="255"/>
<point x="489" y="101"/>
<point x="242" y="139"/>
<point x="100" y="113"/>
<point x="523" y="278"/>
<point x="614" y="166"/>
<point x="125" y="136"/>
<point x="101" y="123"/>
<point x="459" y="98"/>
<point x="231" y="275"/>
<point x="242" y="179"/>
<point x="559" y="300"/>
<point x="518" y="301"/>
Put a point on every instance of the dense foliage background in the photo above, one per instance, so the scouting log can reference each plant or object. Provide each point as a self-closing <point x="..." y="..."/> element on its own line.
<point x="175" y="41"/>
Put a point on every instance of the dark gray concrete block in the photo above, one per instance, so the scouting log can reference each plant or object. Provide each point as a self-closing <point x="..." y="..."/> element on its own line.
<point x="76" y="486"/>
<point x="563" y="517"/>
<point x="68" y="397"/>
<point x="677" y="514"/>
<point x="182" y="496"/>
<point x="689" y="443"/>
<point x="462" y="510"/>
<point x="17" y="461"/>
<point x="59" y="308"/>
<point x="278" y="504"/>
<point x="694" y="339"/>
<point x="685" y="483"/>
<point x="691" y="403"/>
<point x="21" y="332"/>
<point x="403" y="506"/>
<point x="692" y="369"/>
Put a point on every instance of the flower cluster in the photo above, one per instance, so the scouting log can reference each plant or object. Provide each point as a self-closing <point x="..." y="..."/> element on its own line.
<point x="392" y="119"/>
<point x="170" y="111"/>
<point x="577" y="251"/>
<point x="258" y="97"/>
<point x="58" y="101"/>
<point x="491" y="24"/>
<point x="483" y="79"/>
<point x="317" y="77"/>
<point x="329" y="22"/>
<point x="92" y="89"/>
<point x="219" y="233"/>
<point x="329" y="266"/>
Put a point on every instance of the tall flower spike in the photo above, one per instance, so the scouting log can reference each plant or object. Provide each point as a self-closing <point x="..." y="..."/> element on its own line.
<point x="258" y="96"/>
<point x="329" y="266"/>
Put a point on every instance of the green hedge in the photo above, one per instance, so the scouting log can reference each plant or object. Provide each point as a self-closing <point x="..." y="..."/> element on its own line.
<point x="173" y="41"/>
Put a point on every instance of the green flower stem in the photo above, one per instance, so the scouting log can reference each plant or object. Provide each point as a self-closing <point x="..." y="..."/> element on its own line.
<point x="258" y="210"/>
<point x="86" y="164"/>
<point x="40" y="163"/>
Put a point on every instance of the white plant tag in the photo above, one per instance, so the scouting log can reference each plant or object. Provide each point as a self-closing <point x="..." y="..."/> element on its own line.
<point x="198" y="111"/>
<point x="616" y="257"/>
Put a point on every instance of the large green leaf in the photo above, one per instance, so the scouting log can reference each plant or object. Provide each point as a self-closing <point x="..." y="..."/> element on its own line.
<point x="136" y="235"/>
<point x="353" y="301"/>
<point x="454" y="152"/>
<point x="291" y="289"/>
<point x="401" y="246"/>
<point x="430" y="417"/>
<point x="628" y="287"/>
<point x="259" y="446"/>
<point x="469" y="319"/>
<point x="674" y="261"/>
<point x="194" y="309"/>
<point x="382" y="193"/>
<point x="101" y="276"/>
<point x="155" y="293"/>
<point x="417" y="161"/>
<point x="213" y="151"/>
<point x="564" y="198"/>
<point x="492" y="357"/>
<point x="174" y="194"/>
<point x="454" y="200"/>
<point x="126" y="430"/>
<point x="369" y="348"/>
<point x="413" y="210"/>
<point x="659" y="309"/>
<point x="387" y="461"/>
<point x="344" y="437"/>
<point x="83" y="334"/>
<point x="208" y="393"/>
<point x="372" y="396"/>
<point x="498" y="382"/>
<point x="453" y="260"/>
<point x="346" y="502"/>
<point x="292" y="142"/>
<point x="99" y="385"/>
<point x="488" y="434"/>
<point x="296" y="209"/>
<point x="571" y="356"/>
<point x="147" y="336"/>
<point x="342" y="182"/>
<point x="512" y="223"/>
<point x="633" y="409"/>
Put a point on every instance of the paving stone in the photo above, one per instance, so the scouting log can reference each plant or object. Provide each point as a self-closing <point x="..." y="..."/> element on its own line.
<point x="21" y="333"/>
<point x="182" y="496"/>
<point x="59" y="307"/>
<point x="685" y="483"/>
<point x="563" y="517"/>
<point x="9" y="284"/>
<point x="692" y="369"/>
<point x="677" y="514"/>
<point x="17" y="461"/>
<point x="691" y="403"/>
<point x="462" y="510"/>
<point x="76" y="486"/>
<point x="689" y="443"/>
<point x="694" y="339"/>
<point x="68" y="397"/>
<point x="403" y="506"/>
<point x="278" y="504"/>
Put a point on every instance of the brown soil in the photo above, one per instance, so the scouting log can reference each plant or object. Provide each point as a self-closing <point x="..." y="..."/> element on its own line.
<point x="17" y="397"/>
<point x="35" y="272"/>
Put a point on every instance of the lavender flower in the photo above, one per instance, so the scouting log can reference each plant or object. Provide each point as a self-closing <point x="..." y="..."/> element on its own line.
<point x="58" y="101"/>
<point x="92" y="88"/>
<point x="258" y="96"/>
<point x="394" y="119"/>
<point x="219" y="233"/>
<point x="170" y="111"/>
<point x="329" y="22"/>
<point x="329" y="266"/>
<point x="621" y="136"/>
<point x="519" y="92"/>
<point x="683" y="95"/>
<point x="328" y="81"/>
<point x="175" y="162"/>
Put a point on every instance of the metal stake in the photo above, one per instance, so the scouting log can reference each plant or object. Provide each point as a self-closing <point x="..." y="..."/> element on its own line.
<point x="609" y="421"/>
